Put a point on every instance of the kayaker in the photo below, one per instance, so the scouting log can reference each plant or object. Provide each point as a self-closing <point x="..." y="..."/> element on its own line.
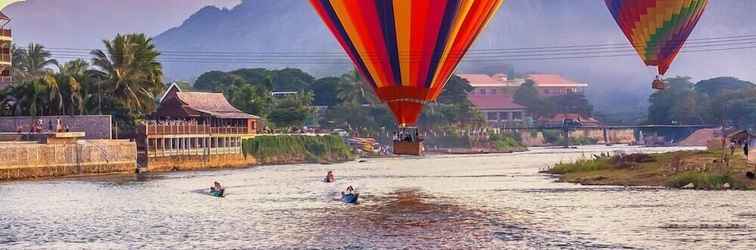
<point x="216" y="187"/>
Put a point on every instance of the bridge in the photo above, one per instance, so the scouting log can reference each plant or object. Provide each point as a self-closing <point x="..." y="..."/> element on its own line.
<point x="683" y="130"/>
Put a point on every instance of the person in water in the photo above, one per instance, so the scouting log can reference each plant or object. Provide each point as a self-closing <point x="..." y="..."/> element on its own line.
<point x="350" y="190"/>
<point x="216" y="187"/>
<point x="329" y="177"/>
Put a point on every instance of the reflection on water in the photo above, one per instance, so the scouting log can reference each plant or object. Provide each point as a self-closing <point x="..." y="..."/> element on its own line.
<point x="486" y="201"/>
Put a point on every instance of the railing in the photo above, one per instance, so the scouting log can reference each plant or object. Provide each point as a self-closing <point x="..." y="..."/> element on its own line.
<point x="191" y="129"/>
<point x="6" y="58"/>
<point x="6" y="32"/>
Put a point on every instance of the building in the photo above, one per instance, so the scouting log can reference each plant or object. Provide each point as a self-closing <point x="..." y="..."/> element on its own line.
<point x="556" y="85"/>
<point x="202" y="108"/>
<point x="492" y="95"/>
<point x="6" y="40"/>
<point x="194" y="130"/>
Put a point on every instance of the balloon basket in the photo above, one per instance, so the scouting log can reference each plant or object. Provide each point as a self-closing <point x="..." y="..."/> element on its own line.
<point x="408" y="148"/>
<point x="658" y="85"/>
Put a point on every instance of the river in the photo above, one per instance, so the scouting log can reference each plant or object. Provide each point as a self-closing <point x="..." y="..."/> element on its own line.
<point x="449" y="201"/>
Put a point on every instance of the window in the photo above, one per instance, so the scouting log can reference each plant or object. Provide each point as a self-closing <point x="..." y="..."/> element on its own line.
<point x="492" y="116"/>
<point x="517" y="116"/>
<point x="492" y="91"/>
<point x="482" y="91"/>
<point x="504" y="116"/>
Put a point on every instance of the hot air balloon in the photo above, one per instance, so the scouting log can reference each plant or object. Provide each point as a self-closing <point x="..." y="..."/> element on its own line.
<point x="657" y="29"/>
<point x="406" y="50"/>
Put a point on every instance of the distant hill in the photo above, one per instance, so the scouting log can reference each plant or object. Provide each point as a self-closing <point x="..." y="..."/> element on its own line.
<point x="252" y="26"/>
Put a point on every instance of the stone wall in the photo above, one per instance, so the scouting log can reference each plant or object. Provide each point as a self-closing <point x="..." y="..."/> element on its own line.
<point x="32" y="160"/>
<point x="198" y="162"/>
<point x="95" y="126"/>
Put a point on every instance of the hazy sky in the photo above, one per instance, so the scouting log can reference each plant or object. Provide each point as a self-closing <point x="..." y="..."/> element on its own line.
<point x="84" y="23"/>
<point x="520" y="23"/>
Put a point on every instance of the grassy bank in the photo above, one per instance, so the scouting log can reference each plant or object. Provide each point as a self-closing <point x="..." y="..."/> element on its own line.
<point x="297" y="148"/>
<point x="689" y="169"/>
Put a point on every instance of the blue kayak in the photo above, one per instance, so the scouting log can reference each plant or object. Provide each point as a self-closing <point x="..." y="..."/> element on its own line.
<point x="217" y="193"/>
<point x="350" y="198"/>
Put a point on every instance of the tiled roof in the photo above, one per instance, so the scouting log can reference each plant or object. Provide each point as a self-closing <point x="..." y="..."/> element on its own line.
<point x="554" y="80"/>
<point x="480" y="79"/>
<point x="495" y="102"/>
<point x="214" y="104"/>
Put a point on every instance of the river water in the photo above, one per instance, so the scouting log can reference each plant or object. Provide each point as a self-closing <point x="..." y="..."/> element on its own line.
<point x="470" y="201"/>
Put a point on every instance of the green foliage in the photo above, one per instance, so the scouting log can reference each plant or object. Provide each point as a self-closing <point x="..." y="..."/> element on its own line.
<point x="676" y="104"/>
<point x="709" y="101"/>
<point x="703" y="180"/>
<point x="291" y="110"/>
<point x="570" y="103"/>
<point x="124" y="80"/>
<point x="506" y="141"/>
<point x="325" y="91"/>
<point x="455" y="91"/>
<point x="250" y="99"/>
<point x="308" y="148"/>
<point x="581" y="165"/>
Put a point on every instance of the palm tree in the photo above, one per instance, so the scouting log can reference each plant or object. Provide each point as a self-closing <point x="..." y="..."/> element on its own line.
<point x="352" y="90"/>
<point x="73" y="77"/>
<point x="32" y="62"/>
<point x="129" y="71"/>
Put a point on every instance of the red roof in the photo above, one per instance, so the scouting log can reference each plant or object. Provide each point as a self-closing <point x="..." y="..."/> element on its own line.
<point x="179" y="103"/>
<point x="495" y="102"/>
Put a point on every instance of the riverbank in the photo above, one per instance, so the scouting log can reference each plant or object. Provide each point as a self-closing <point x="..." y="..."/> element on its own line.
<point x="297" y="149"/>
<point x="683" y="169"/>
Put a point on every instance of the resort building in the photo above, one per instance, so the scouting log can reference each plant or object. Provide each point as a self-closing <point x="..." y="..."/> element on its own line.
<point x="6" y="40"/>
<point x="194" y="124"/>
<point x="556" y="85"/>
<point x="492" y="95"/>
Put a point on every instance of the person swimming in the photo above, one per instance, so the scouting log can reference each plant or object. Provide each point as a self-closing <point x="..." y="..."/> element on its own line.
<point x="329" y="177"/>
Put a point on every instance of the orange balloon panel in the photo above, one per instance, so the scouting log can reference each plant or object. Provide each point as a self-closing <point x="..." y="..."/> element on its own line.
<point x="406" y="49"/>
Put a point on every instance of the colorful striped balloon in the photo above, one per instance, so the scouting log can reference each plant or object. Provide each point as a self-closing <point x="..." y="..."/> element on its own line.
<point x="406" y="49"/>
<point x="657" y="28"/>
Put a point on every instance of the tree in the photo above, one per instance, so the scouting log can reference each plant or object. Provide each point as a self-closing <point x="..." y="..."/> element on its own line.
<point x="73" y="78"/>
<point x="217" y="81"/>
<point x="291" y="79"/>
<point x="325" y="91"/>
<point x="717" y="86"/>
<point x="571" y="103"/>
<point x="455" y="91"/>
<point x="32" y="62"/>
<point x="353" y="91"/>
<point x="528" y="96"/>
<point x="250" y="99"/>
<point x="129" y="69"/>
<point x="677" y="104"/>
<point x="291" y="111"/>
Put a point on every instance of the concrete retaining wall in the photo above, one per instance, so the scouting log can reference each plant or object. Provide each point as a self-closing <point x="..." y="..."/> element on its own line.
<point x="32" y="160"/>
<point x="198" y="162"/>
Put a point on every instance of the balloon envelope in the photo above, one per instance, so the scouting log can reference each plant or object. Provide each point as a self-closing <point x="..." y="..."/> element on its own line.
<point x="406" y="49"/>
<point x="657" y="29"/>
<point x="5" y="3"/>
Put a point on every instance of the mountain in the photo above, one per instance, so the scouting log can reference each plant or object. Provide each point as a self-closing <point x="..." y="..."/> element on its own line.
<point x="268" y="26"/>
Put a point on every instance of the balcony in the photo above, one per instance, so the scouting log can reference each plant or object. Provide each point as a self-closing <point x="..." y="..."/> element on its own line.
<point x="6" y="33"/>
<point x="191" y="129"/>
